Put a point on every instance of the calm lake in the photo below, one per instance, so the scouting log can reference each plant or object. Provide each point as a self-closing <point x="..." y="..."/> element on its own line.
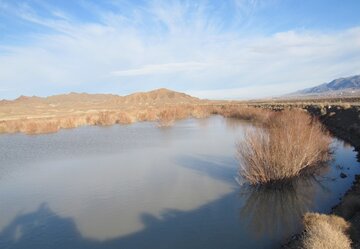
<point x="140" y="186"/>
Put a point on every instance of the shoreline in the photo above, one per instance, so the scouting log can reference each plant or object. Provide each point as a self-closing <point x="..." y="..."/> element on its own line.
<point x="341" y="124"/>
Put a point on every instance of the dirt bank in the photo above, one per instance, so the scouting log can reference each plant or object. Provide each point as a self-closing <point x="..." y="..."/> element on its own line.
<point x="349" y="209"/>
<point x="341" y="119"/>
<point x="343" y="122"/>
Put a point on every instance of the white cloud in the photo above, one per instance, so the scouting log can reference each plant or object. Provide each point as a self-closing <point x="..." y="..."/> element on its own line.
<point x="246" y="92"/>
<point x="175" y="51"/>
<point x="162" y="68"/>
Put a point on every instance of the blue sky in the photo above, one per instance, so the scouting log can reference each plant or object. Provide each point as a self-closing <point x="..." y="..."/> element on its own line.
<point x="235" y="49"/>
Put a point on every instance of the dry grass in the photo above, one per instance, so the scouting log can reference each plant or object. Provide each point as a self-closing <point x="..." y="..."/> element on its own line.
<point x="167" y="117"/>
<point x="150" y="114"/>
<point x="124" y="118"/>
<point x="325" y="232"/>
<point x="110" y="118"/>
<point x="290" y="142"/>
<point x="201" y="111"/>
<point x="48" y="125"/>
<point x="243" y="112"/>
<point x="39" y="126"/>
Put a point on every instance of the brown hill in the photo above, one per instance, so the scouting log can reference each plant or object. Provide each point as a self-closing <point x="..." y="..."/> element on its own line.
<point x="75" y="103"/>
<point x="160" y="96"/>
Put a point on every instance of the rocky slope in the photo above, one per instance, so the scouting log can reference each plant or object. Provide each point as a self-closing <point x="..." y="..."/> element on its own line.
<point x="338" y="87"/>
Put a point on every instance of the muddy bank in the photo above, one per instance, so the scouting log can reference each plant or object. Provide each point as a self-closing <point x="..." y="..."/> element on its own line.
<point x="349" y="209"/>
<point x="343" y="122"/>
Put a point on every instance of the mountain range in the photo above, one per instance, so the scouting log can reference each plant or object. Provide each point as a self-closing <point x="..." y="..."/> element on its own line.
<point x="154" y="97"/>
<point x="77" y="103"/>
<point x="347" y="86"/>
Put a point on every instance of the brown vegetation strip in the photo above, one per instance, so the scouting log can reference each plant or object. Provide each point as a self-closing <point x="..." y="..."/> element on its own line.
<point x="164" y="115"/>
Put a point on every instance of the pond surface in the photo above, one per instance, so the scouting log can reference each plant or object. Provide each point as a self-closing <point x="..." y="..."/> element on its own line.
<point x="140" y="186"/>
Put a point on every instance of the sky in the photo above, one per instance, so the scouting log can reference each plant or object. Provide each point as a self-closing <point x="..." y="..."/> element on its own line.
<point x="229" y="49"/>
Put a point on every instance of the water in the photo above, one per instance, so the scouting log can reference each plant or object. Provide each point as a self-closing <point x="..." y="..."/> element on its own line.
<point x="140" y="186"/>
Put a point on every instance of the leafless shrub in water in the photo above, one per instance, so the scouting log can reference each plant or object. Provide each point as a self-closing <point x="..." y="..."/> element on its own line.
<point x="290" y="142"/>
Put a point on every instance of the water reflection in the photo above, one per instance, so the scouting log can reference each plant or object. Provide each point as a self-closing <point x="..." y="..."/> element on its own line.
<point x="42" y="229"/>
<point x="236" y="124"/>
<point x="276" y="210"/>
<point x="217" y="167"/>
<point x="199" y="228"/>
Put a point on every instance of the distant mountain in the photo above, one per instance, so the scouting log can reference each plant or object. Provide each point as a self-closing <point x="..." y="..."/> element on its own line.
<point x="160" y="96"/>
<point x="341" y="86"/>
<point x="156" y="97"/>
<point x="83" y="103"/>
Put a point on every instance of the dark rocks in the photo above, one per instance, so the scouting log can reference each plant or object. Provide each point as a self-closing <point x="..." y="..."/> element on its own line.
<point x="339" y="167"/>
<point x="343" y="175"/>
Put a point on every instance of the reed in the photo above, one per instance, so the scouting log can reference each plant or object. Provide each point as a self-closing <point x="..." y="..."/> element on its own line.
<point x="39" y="126"/>
<point x="201" y="111"/>
<point x="243" y="112"/>
<point x="123" y="118"/>
<point x="167" y="117"/>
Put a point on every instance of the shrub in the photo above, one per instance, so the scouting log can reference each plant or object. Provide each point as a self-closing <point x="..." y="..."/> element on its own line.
<point x="325" y="232"/>
<point x="200" y="112"/>
<point x="91" y="119"/>
<point x="69" y="122"/>
<point x="182" y="111"/>
<point x="245" y="113"/>
<point x="123" y="118"/>
<point x="289" y="142"/>
<point x="37" y="126"/>
<point x="149" y="114"/>
<point x="167" y="117"/>
<point x="106" y="118"/>
<point x="72" y="121"/>
<point x="12" y="126"/>
<point x="3" y="127"/>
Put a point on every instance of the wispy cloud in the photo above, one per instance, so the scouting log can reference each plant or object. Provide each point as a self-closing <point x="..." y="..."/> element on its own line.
<point x="183" y="45"/>
<point x="162" y="69"/>
<point x="247" y="92"/>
